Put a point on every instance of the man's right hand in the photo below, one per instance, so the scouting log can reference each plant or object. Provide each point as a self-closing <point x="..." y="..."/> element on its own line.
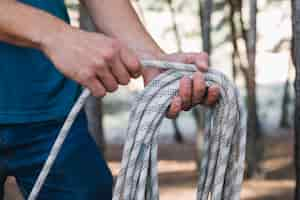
<point x="94" y="60"/>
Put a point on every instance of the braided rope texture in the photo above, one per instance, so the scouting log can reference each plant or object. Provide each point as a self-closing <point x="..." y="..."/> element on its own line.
<point x="222" y="167"/>
<point x="224" y="145"/>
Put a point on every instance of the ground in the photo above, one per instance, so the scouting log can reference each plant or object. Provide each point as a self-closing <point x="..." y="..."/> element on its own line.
<point x="178" y="176"/>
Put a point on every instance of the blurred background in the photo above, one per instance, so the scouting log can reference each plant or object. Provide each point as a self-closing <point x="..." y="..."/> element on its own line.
<point x="250" y="41"/>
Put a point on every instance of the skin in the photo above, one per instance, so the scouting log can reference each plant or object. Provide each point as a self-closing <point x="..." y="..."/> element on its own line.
<point x="101" y="61"/>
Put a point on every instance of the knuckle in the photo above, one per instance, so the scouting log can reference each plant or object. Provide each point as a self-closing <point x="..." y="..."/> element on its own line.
<point x="124" y="81"/>
<point x="184" y="82"/>
<point x="187" y="59"/>
<point x="115" y="44"/>
<point x="108" y="53"/>
<point x="113" y="88"/>
<point x="87" y="76"/>
<point x="199" y="76"/>
<point x="98" y="64"/>
<point x="202" y="87"/>
<point x="186" y="94"/>
<point x="134" y="64"/>
<point x="99" y="93"/>
<point x="100" y="68"/>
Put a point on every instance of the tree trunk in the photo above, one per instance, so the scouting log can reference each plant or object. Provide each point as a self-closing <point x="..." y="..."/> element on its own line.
<point x="205" y="11"/>
<point x="247" y="67"/>
<point x="174" y="25"/>
<point x="206" y="8"/>
<point x="235" y="56"/>
<point x="254" y="149"/>
<point x="296" y="60"/>
<point x="177" y="133"/>
<point x="284" y="121"/>
<point x="93" y="107"/>
<point x="199" y="116"/>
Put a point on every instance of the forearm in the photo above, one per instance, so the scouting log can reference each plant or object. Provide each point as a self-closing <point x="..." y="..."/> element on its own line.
<point x="26" y="26"/>
<point x="118" y="19"/>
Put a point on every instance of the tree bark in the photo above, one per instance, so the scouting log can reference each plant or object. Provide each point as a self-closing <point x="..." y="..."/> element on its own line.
<point x="247" y="67"/>
<point x="177" y="133"/>
<point x="284" y="123"/>
<point x="235" y="56"/>
<point x="206" y="8"/>
<point x="296" y="60"/>
<point x="174" y="25"/>
<point x="205" y="12"/>
<point x="254" y="149"/>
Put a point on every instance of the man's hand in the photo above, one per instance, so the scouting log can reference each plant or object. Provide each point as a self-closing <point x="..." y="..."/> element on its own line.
<point x="192" y="91"/>
<point x="98" y="62"/>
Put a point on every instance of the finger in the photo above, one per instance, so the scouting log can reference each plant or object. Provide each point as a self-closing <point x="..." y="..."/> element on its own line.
<point x="174" y="108"/>
<point x="198" y="88"/>
<point x="199" y="59"/>
<point x="120" y="73"/>
<point x="97" y="88"/>
<point x="185" y="92"/>
<point x="131" y="61"/>
<point x="213" y="95"/>
<point x="107" y="79"/>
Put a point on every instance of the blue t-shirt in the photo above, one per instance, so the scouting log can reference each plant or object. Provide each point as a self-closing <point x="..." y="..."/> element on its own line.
<point x="31" y="88"/>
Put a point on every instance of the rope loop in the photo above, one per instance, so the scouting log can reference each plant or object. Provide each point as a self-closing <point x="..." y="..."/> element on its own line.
<point x="222" y="166"/>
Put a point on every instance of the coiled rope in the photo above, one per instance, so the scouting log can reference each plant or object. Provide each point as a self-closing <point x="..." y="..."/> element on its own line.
<point x="224" y="144"/>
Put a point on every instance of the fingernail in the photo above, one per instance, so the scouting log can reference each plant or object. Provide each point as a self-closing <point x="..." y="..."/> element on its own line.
<point x="177" y="103"/>
<point x="136" y="75"/>
<point x="202" y="64"/>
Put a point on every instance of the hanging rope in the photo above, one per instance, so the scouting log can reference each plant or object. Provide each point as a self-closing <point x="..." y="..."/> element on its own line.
<point x="224" y="146"/>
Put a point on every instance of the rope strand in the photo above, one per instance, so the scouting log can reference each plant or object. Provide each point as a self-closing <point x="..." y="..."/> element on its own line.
<point x="224" y="146"/>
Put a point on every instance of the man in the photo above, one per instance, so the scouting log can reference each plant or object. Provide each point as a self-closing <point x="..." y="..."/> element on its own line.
<point x="43" y="60"/>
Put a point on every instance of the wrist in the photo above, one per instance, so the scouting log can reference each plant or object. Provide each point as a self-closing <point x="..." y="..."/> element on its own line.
<point x="57" y="35"/>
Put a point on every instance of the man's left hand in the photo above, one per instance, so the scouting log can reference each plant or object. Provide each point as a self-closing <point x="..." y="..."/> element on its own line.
<point x="192" y="91"/>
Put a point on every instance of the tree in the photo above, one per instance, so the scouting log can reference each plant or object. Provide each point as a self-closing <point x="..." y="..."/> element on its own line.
<point x="174" y="25"/>
<point x="284" y="121"/>
<point x="247" y="67"/>
<point x="296" y="59"/>
<point x="205" y="12"/>
<point x="177" y="133"/>
<point x="236" y="57"/>
<point x="250" y="74"/>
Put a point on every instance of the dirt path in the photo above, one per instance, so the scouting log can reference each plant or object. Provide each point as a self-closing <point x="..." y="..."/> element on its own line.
<point x="178" y="176"/>
<point x="178" y="172"/>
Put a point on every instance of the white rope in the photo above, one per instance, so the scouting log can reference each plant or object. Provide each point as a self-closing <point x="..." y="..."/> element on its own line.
<point x="224" y="146"/>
